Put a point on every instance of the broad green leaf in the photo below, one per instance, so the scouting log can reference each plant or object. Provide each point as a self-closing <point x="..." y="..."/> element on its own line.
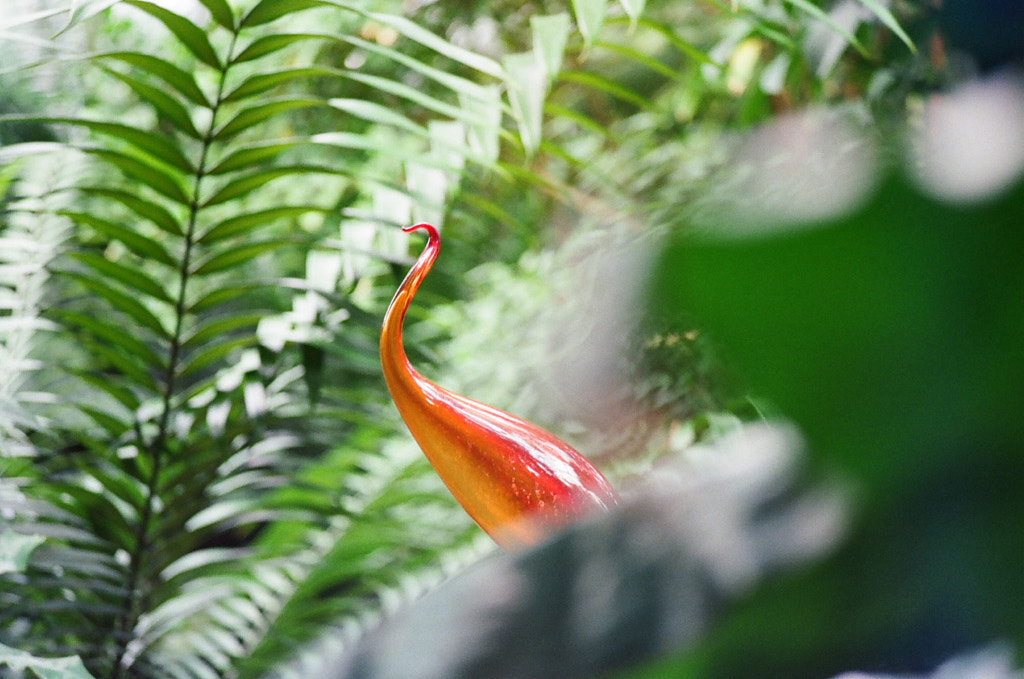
<point x="226" y="325"/>
<point x="115" y="336"/>
<point x="131" y="278"/>
<point x="147" y="173"/>
<point x="606" y="85"/>
<point x="122" y="302"/>
<point x="377" y="113"/>
<point x="70" y="667"/>
<point x="589" y="17"/>
<point x="550" y="33"/>
<point x="268" y="44"/>
<point x="252" y="155"/>
<point x="244" y="223"/>
<point x="164" y="104"/>
<point x="240" y="254"/>
<point x="254" y="115"/>
<point x="261" y="82"/>
<point x="414" y="31"/>
<point x="527" y="87"/>
<point x="190" y="35"/>
<point x="147" y="209"/>
<point x="221" y="12"/>
<point x="15" y="550"/>
<point x="138" y="244"/>
<point x="266" y="11"/>
<point x="484" y="138"/>
<point x="885" y="16"/>
<point x="634" y="8"/>
<point x="241" y="186"/>
<point x="177" y="78"/>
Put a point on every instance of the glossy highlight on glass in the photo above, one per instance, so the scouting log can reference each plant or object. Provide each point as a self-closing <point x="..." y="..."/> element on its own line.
<point x="514" y="479"/>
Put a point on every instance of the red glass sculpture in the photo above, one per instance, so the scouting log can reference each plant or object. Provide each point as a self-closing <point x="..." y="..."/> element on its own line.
<point x="514" y="479"/>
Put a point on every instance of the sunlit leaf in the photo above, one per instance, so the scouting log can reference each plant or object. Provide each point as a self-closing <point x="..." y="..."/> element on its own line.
<point x="550" y="34"/>
<point x="885" y="16"/>
<point x="222" y="326"/>
<point x="190" y="35"/>
<point x="252" y="155"/>
<point x="268" y="44"/>
<point x="15" y="550"/>
<point x="141" y="245"/>
<point x="527" y="86"/>
<point x="47" y="668"/>
<point x="214" y="353"/>
<point x="606" y="85"/>
<point x="421" y="35"/>
<point x="378" y="113"/>
<point x="589" y="17"/>
<point x="634" y="8"/>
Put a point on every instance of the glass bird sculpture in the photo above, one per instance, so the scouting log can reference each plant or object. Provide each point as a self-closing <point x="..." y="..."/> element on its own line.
<point x="517" y="481"/>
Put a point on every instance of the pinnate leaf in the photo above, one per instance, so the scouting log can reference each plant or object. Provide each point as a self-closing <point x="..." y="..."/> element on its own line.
<point x="270" y="10"/>
<point x="248" y="183"/>
<point x="268" y="44"/>
<point x="221" y="13"/>
<point x="147" y="209"/>
<point x="149" y="174"/>
<point x="236" y="256"/>
<point x="255" y="115"/>
<point x="164" y="104"/>
<point x="247" y="157"/>
<point x="144" y="247"/>
<point x="243" y="223"/>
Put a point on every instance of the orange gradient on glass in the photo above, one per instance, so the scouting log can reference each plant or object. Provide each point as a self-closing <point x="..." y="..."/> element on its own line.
<point x="514" y="479"/>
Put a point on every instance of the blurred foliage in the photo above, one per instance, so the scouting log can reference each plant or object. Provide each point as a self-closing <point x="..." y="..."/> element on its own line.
<point x="194" y="265"/>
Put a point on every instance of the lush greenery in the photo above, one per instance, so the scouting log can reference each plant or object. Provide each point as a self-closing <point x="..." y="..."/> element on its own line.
<point x="200" y="471"/>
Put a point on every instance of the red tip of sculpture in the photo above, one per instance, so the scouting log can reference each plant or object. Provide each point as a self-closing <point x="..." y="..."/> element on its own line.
<point x="514" y="479"/>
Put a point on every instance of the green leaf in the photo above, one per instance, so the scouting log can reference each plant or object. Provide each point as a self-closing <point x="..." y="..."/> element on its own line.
<point x="46" y="668"/>
<point x="255" y="115"/>
<point x="249" y="156"/>
<point x="684" y="46"/>
<point x="237" y="255"/>
<point x="550" y="33"/>
<point x="221" y="12"/>
<point x="190" y="35"/>
<point x="589" y="17"/>
<point x="414" y="31"/>
<point x="527" y="86"/>
<point x="241" y="186"/>
<point x="417" y="96"/>
<point x="149" y="174"/>
<point x="122" y="302"/>
<point x="243" y="223"/>
<point x="261" y="82"/>
<point x="640" y="58"/>
<point x="15" y="550"/>
<point x="138" y="244"/>
<point x="164" y="104"/>
<point x="147" y="209"/>
<point x="177" y="78"/>
<point x="266" y="11"/>
<point x="159" y="146"/>
<point x="886" y="17"/>
<point x="131" y="278"/>
<point x="268" y="44"/>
